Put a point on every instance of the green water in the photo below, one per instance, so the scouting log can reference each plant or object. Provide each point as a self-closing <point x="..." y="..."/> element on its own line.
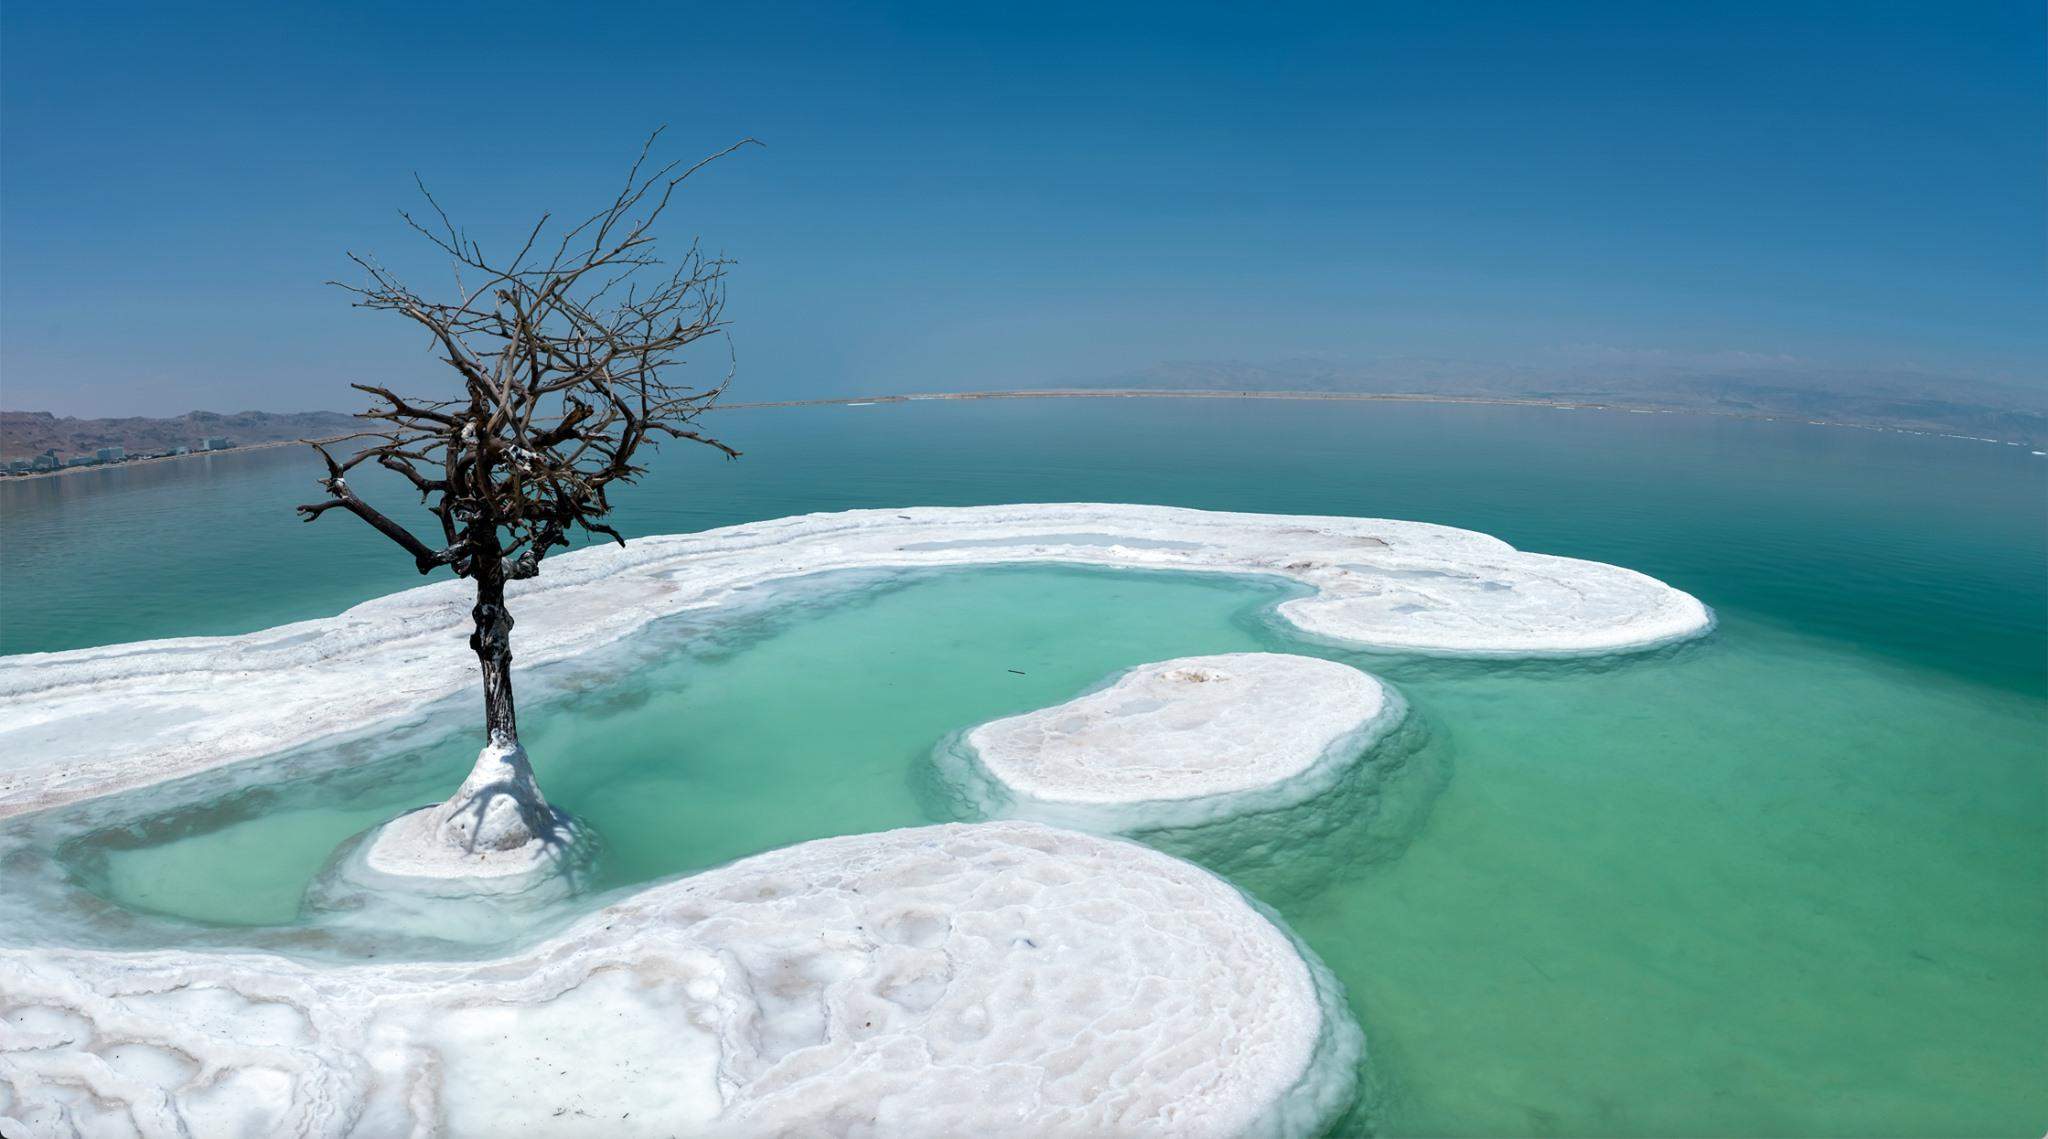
<point x="806" y="723"/>
<point x="1792" y="880"/>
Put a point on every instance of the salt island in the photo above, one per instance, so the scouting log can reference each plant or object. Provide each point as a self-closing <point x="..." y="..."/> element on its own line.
<point x="1177" y="743"/>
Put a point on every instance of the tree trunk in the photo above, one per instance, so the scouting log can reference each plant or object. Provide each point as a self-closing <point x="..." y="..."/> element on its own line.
<point x="492" y="642"/>
<point x="499" y="807"/>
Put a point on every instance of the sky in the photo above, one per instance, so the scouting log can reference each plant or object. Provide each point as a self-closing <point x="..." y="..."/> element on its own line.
<point x="973" y="196"/>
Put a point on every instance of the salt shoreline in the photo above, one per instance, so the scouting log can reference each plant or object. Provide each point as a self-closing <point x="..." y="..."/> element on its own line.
<point x="189" y="704"/>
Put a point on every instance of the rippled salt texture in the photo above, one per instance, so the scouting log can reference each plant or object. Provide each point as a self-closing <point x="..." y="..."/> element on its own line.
<point x="1001" y="979"/>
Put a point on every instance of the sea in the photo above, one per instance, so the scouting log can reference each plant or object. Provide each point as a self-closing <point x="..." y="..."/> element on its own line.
<point x="1789" y="879"/>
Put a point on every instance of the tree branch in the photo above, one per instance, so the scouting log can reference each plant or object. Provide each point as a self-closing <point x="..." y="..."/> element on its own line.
<point x="564" y="362"/>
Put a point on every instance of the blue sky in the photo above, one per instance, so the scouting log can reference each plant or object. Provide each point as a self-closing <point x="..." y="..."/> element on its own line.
<point x="958" y="196"/>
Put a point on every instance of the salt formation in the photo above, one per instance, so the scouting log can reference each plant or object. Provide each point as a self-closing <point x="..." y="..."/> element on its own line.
<point x="496" y="825"/>
<point x="497" y="831"/>
<point x="199" y="702"/>
<point x="1178" y="743"/>
<point x="491" y="860"/>
<point x="1000" y="978"/>
<point x="993" y="979"/>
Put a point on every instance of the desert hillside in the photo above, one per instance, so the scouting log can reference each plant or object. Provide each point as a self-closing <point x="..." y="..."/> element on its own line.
<point x="25" y="434"/>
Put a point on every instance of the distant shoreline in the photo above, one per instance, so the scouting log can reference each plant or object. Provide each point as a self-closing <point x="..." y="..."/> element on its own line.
<point x="1155" y="393"/>
<point x="154" y="459"/>
<point x="1379" y="397"/>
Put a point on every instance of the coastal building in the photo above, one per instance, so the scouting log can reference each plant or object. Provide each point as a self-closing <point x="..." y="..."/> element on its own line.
<point x="214" y="443"/>
<point x="19" y="466"/>
<point x="47" y="461"/>
<point x="112" y="454"/>
<point x="83" y="461"/>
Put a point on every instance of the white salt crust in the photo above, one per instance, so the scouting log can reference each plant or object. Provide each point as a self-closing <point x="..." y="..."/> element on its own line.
<point x="88" y="722"/>
<point x="1001" y="979"/>
<point x="1182" y="742"/>
<point x="444" y="896"/>
<point x="492" y="861"/>
<point x="496" y="838"/>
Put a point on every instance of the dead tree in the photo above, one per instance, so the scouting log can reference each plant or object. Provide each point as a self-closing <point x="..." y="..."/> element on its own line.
<point x="566" y="356"/>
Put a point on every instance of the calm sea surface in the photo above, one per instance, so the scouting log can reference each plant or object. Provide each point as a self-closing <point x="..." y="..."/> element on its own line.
<point x="1789" y="880"/>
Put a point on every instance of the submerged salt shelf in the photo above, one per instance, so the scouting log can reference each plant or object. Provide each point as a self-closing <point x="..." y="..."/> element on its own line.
<point x="999" y="978"/>
<point x="194" y="703"/>
<point x="1177" y="743"/>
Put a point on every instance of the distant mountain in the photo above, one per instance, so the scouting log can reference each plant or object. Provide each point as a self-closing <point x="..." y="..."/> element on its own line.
<point x="26" y="434"/>
<point x="2015" y="412"/>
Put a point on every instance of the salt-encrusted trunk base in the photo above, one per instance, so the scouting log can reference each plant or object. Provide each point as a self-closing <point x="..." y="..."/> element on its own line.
<point x="498" y="810"/>
<point x="491" y="861"/>
<point x="496" y="825"/>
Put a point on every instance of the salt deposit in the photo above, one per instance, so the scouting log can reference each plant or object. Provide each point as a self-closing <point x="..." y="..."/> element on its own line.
<point x="188" y="704"/>
<point x="995" y="979"/>
<point x="496" y="847"/>
<point x="1177" y="743"/>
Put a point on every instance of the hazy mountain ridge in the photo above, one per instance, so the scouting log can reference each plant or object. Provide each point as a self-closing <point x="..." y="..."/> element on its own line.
<point x="1758" y="386"/>
<point x="2016" y="412"/>
<point x="26" y="434"/>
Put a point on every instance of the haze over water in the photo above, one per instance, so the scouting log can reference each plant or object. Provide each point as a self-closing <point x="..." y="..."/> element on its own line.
<point x="1786" y="880"/>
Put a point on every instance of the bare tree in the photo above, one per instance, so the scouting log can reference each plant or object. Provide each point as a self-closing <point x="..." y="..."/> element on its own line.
<point x="566" y="355"/>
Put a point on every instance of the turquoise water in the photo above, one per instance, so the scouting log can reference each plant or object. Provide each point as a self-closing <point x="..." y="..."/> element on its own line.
<point x="682" y="749"/>
<point x="1791" y="880"/>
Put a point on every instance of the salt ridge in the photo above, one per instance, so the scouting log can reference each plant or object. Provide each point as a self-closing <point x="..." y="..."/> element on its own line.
<point x="188" y="704"/>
